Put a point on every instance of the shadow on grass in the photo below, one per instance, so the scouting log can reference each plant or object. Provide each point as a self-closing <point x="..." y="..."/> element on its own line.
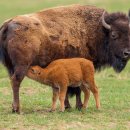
<point x="70" y="110"/>
<point x="46" y="110"/>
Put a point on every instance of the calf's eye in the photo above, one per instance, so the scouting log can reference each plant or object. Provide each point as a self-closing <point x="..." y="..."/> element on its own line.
<point x="39" y="73"/>
<point x="32" y="70"/>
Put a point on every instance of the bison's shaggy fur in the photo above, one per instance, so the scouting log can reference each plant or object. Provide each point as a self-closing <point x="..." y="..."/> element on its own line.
<point x="73" y="31"/>
<point x="67" y="72"/>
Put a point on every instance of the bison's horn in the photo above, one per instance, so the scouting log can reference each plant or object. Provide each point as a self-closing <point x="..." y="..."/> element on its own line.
<point x="107" y="26"/>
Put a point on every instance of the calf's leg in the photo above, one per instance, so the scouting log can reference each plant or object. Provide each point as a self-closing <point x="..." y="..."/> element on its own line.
<point x="54" y="98"/>
<point x="86" y="96"/>
<point x="62" y="94"/>
<point x="95" y="92"/>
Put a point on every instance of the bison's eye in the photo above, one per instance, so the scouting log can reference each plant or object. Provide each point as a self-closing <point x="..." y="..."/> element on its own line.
<point x="32" y="70"/>
<point x="114" y="35"/>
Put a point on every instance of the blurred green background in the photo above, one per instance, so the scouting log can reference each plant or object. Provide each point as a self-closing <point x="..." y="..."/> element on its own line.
<point x="10" y="8"/>
<point x="36" y="98"/>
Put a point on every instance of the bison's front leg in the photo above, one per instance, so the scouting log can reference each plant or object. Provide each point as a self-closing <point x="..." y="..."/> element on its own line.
<point x="73" y="91"/>
<point x="15" y="88"/>
<point x="67" y="104"/>
<point x="78" y="98"/>
<point x="16" y="80"/>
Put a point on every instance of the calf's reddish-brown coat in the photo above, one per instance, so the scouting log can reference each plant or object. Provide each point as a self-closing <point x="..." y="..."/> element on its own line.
<point x="67" y="72"/>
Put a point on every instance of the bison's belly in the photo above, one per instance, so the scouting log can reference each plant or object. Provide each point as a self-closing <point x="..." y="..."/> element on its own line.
<point x="59" y="50"/>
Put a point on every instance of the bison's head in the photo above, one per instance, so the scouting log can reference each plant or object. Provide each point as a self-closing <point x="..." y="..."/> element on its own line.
<point x="117" y="26"/>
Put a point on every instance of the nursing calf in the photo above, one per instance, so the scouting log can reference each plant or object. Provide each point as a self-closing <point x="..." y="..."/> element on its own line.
<point x="67" y="72"/>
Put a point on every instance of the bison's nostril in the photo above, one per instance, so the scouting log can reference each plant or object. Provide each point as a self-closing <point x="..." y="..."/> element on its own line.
<point x="126" y="54"/>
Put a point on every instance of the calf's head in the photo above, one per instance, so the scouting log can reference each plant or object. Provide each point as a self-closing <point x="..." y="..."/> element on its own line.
<point x="34" y="72"/>
<point x="117" y="26"/>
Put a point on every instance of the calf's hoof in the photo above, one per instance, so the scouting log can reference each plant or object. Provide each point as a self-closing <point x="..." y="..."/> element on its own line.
<point x="62" y="110"/>
<point x="52" y="110"/>
<point x="98" y="108"/>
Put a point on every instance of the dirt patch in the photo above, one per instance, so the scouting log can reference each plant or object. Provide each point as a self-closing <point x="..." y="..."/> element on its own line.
<point x="128" y="125"/>
<point x="6" y="91"/>
<point x="112" y="125"/>
<point x="20" y="127"/>
<point x="29" y="90"/>
<point x="74" y="125"/>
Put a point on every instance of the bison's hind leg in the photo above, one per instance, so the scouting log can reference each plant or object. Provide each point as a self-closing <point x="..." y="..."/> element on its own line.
<point x="67" y="104"/>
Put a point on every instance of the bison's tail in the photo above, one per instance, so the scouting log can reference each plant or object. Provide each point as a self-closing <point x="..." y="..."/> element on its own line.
<point x="2" y="58"/>
<point x="3" y="36"/>
<point x="73" y="91"/>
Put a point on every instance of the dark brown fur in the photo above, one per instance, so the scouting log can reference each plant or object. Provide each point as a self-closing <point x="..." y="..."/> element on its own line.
<point x="73" y="31"/>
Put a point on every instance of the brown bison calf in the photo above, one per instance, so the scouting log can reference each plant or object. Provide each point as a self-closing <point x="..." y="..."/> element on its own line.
<point x="66" y="72"/>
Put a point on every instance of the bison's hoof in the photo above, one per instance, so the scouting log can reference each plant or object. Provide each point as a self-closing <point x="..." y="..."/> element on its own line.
<point x="15" y="111"/>
<point x="67" y="107"/>
<point x="79" y="107"/>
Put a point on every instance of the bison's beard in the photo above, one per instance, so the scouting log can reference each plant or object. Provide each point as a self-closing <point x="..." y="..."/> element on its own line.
<point x="119" y="63"/>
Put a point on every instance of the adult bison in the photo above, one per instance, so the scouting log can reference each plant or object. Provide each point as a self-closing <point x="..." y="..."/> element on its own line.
<point x="73" y="31"/>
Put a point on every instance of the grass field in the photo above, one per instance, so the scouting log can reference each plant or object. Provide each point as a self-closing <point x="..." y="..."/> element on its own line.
<point x="36" y="98"/>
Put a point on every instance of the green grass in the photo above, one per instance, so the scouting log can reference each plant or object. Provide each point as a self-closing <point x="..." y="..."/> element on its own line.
<point x="36" y="98"/>
<point x="36" y="101"/>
